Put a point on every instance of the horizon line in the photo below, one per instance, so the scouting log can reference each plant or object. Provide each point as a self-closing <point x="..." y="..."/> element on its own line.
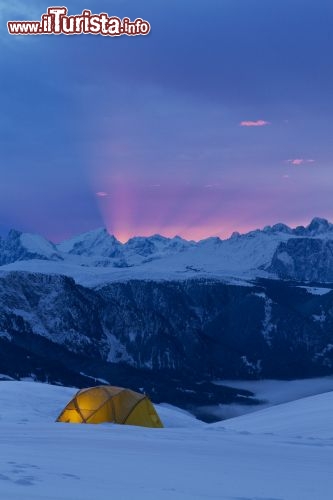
<point x="151" y="235"/>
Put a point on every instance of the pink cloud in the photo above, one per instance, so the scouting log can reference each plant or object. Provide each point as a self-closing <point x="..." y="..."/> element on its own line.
<point x="101" y="194"/>
<point x="257" y="123"/>
<point x="300" y="161"/>
<point x="297" y="161"/>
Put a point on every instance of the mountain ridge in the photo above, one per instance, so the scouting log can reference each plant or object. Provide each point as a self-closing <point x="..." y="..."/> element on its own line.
<point x="96" y="257"/>
<point x="317" y="226"/>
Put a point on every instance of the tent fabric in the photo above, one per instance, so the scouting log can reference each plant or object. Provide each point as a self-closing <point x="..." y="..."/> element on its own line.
<point x="107" y="403"/>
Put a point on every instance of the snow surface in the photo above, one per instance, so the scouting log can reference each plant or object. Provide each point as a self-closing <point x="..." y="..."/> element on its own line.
<point x="282" y="453"/>
<point x="271" y="392"/>
<point x="99" y="276"/>
<point x="308" y="417"/>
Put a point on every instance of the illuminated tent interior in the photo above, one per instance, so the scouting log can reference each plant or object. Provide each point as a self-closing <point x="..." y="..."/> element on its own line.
<point x="106" y="403"/>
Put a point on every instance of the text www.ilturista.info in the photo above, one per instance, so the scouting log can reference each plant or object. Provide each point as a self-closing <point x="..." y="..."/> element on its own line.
<point x="57" y="22"/>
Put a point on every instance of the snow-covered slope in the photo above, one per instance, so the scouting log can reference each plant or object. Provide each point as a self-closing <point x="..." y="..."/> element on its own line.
<point x="307" y="417"/>
<point x="238" y="459"/>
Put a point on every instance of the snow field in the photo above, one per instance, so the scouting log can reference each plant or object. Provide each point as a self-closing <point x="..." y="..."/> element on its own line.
<point x="281" y="453"/>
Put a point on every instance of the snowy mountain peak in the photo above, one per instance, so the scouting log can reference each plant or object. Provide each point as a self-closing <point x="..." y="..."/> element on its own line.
<point x="319" y="226"/>
<point x="278" y="228"/>
<point x="26" y="246"/>
<point x="97" y="243"/>
<point x="212" y="241"/>
<point x="156" y="245"/>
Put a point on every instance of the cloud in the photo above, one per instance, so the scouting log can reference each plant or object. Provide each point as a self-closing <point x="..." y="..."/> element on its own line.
<point x="102" y="194"/>
<point x="300" y="161"/>
<point x="257" y="123"/>
<point x="297" y="161"/>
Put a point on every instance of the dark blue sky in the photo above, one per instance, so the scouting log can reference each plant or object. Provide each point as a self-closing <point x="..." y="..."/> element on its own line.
<point x="153" y="124"/>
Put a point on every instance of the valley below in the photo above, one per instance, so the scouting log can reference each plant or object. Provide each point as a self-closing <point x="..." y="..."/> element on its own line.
<point x="168" y="316"/>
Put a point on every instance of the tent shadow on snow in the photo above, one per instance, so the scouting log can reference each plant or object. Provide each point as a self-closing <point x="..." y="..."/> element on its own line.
<point x="107" y="403"/>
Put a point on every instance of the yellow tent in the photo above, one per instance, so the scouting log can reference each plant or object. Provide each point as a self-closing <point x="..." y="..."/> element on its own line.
<point x="106" y="403"/>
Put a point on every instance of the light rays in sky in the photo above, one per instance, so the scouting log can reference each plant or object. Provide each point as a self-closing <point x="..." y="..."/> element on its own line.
<point x="133" y="205"/>
<point x="131" y="209"/>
